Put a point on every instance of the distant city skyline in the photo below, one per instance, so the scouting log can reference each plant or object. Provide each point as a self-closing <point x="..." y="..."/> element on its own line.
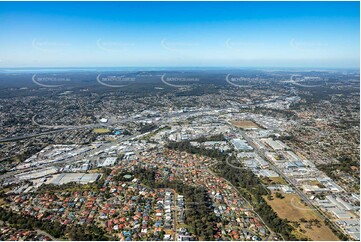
<point x="180" y="34"/>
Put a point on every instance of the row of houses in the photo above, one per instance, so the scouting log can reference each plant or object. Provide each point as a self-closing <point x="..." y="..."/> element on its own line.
<point x="193" y="169"/>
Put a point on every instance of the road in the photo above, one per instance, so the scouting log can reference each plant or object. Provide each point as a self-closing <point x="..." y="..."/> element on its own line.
<point x="249" y="204"/>
<point x="63" y="128"/>
<point x="72" y="159"/>
<point x="174" y="215"/>
<point x="9" y="139"/>
<point x="261" y="153"/>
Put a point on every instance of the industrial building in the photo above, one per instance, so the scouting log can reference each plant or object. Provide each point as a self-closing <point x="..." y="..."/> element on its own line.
<point x="241" y="145"/>
<point x="109" y="161"/>
<point x="82" y="178"/>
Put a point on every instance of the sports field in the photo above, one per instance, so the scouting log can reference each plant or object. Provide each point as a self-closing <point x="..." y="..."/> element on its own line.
<point x="101" y="130"/>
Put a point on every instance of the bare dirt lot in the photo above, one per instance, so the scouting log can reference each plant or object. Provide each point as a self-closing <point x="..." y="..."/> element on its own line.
<point x="245" y="124"/>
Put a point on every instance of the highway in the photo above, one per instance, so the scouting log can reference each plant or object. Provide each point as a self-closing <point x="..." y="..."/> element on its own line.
<point x="72" y="159"/>
<point x="63" y="128"/>
<point x="28" y="136"/>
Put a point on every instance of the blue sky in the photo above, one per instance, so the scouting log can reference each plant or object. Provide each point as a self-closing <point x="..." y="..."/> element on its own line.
<point x="166" y="34"/>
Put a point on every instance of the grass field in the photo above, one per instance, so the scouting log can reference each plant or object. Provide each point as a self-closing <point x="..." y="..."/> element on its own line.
<point x="101" y="130"/>
<point x="244" y="124"/>
<point x="275" y="180"/>
<point x="315" y="183"/>
<point x="294" y="210"/>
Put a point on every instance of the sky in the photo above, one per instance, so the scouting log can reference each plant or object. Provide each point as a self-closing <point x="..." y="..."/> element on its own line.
<point x="180" y="34"/>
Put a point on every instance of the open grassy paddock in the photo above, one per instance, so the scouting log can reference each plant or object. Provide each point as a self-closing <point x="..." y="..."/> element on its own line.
<point x="307" y="221"/>
<point x="274" y="180"/>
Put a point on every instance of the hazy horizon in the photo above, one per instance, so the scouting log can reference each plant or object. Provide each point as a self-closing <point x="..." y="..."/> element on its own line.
<point x="180" y="34"/>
